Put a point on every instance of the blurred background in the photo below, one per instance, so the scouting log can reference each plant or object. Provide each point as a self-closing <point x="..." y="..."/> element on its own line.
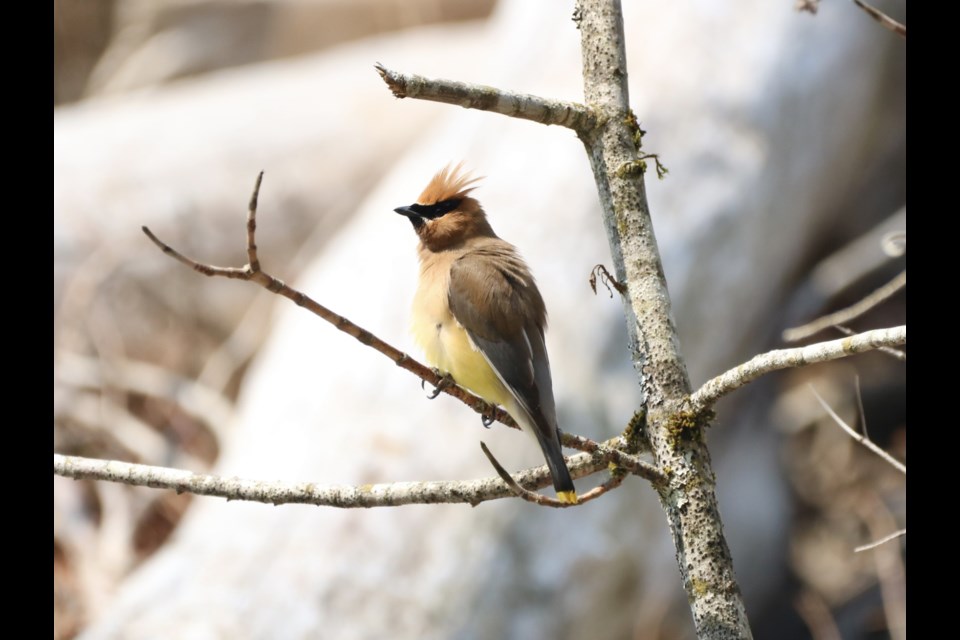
<point x="784" y="134"/>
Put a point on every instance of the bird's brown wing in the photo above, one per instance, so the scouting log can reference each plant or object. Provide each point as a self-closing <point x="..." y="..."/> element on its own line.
<point x="493" y="296"/>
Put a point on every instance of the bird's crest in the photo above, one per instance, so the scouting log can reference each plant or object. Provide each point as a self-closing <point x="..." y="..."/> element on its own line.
<point x="450" y="183"/>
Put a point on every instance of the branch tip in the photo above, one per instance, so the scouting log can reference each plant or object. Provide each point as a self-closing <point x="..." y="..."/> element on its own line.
<point x="256" y="192"/>
<point x="395" y="82"/>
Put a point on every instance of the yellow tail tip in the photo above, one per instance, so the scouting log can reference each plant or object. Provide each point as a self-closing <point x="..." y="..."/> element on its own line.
<point x="567" y="497"/>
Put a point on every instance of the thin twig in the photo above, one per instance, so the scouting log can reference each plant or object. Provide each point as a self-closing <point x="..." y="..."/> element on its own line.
<point x="861" y="412"/>
<point x="883" y="540"/>
<point x="883" y="19"/>
<point x="764" y="363"/>
<point x="614" y="481"/>
<point x="474" y="96"/>
<point x="859" y="437"/>
<point x="849" y="313"/>
<point x="610" y="451"/>
<point x="526" y="494"/>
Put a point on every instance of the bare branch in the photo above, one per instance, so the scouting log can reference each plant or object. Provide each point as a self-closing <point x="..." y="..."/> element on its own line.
<point x="615" y="480"/>
<point x="253" y="273"/>
<point x="850" y="313"/>
<point x="859" y="437"/>
<point x="473" y="96"/>
<point x="883" y="540"/>
<point x="254" y="262"/>
<point x="242" y="273"/>
<point x="883" y="19"/>
<point x="526" y="494"/>
<point x="757" y="366"/>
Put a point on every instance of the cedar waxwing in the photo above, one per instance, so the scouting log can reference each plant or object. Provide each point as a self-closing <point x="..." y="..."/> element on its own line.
<point x="479" y="316"/>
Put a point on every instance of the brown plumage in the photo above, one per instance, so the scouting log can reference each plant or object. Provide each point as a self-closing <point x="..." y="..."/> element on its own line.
<point x="478" y="314"/>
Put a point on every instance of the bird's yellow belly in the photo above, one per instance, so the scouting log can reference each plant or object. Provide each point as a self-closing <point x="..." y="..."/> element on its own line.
<point x="447" y="347"/>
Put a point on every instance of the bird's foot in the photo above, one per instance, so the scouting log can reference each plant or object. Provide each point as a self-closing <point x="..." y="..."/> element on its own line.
<point x="445" y="381"/>
<point x="489" y="415"/>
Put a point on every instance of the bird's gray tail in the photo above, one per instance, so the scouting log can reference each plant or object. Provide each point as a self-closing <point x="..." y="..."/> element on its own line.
<point x="562" y="481"/>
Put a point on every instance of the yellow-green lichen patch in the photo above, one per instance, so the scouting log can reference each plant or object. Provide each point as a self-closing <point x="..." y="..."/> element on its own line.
<point x="635" y="434"/>
<point x="698" y="587"/>
<point x="683" y="426"/>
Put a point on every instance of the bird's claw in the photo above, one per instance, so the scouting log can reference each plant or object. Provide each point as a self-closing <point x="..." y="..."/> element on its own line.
<point x="445" y="381"/>
<point x="489" y="415"/>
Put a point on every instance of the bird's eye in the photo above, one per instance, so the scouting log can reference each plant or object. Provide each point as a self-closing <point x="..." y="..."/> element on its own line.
<point x="434" y="211"/>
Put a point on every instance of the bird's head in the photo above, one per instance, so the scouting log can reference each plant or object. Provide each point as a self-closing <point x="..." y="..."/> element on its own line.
<point x="445" y="215"/>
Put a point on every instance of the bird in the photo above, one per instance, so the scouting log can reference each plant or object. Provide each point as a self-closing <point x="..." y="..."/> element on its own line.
<point x="479" y="316"/>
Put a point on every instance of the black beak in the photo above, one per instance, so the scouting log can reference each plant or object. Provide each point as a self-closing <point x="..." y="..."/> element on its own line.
<point x="415" y="218"/>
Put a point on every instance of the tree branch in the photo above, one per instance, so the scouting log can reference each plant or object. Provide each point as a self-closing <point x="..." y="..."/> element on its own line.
<point x="899" y="354"/>
<point x="392" y="494"/>
<point x="749" y="371"/>
<point x="520" y="492"/>
<point x="849" y="313"/>
<point x="688" y="497"/>
<point x="343" y="496"/>
<point x="883" y="19"/>
<point x="473" y="96"/>
<point x="859" y="437"/>
<point x="876" y="543"/>
<point x="615" y="480"/>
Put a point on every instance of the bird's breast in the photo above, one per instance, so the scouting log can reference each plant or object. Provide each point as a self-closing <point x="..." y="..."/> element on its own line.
<point x="447" y="346"/>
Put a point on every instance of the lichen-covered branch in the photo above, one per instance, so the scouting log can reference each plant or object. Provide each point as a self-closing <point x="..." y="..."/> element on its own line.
<point x="391" y="494"/>
<point x="757" y="366"/>
<point x="899" y="354"/>
<point x="688" y="497"/>
<point x="474" y="96"/>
